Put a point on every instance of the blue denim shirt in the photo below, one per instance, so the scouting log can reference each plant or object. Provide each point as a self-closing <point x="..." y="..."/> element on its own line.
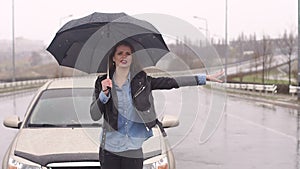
<point x="131" y="132"/>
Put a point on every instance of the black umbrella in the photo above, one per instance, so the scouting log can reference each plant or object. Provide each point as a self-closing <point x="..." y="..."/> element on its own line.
<point x="85" y="43"/>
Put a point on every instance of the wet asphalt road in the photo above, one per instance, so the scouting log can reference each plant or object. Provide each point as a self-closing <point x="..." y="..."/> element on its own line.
<point x="250" y="134"/>
<point x="9" y="105"/>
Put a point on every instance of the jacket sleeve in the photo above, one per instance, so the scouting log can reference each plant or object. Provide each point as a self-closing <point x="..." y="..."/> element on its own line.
<point x="97" y="108"/>
<point x="176" y="82"/>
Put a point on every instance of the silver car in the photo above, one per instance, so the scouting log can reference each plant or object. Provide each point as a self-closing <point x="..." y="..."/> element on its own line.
<point x="58" y="132"/>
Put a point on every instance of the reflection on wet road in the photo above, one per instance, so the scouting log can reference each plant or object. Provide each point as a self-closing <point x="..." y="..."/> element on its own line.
<point x="250" y="135"/>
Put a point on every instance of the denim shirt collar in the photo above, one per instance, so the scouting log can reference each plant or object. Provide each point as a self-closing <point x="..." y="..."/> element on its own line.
<point x="127" y="82"/>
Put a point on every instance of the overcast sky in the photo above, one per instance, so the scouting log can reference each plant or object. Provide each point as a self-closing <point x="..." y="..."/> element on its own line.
<point x="40" y="19"/>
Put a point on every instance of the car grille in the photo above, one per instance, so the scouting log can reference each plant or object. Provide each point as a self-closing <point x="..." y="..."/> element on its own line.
<point x="75" y="167"/>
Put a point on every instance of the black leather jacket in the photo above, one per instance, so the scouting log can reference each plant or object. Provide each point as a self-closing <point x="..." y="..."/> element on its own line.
<point x="141" y="87"/>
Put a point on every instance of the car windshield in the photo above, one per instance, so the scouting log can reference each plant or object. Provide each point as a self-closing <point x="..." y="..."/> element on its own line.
<point x="63" y="108"/>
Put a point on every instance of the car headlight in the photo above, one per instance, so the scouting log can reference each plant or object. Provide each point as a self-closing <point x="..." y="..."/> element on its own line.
<point x="160" y="163"/>
<point x="14" y="164"/>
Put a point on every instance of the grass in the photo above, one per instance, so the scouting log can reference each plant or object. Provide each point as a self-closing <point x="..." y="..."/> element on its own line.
<point x="257" y="78"/>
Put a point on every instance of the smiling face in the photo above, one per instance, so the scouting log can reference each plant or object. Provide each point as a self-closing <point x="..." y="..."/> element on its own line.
<point x="123" y="56"/>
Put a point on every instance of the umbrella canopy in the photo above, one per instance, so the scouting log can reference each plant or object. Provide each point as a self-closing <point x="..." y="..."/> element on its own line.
<point x="85" y="43"/>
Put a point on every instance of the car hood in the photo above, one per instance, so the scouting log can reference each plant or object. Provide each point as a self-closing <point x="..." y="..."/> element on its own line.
<point x="47" y="145"/>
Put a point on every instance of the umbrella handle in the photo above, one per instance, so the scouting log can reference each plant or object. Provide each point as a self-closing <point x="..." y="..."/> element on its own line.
<point x="107" y="69"/>
<point x="107" y="77"/>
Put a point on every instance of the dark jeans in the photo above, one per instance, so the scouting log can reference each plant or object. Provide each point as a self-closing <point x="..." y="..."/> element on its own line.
<point x="125" y="160"/>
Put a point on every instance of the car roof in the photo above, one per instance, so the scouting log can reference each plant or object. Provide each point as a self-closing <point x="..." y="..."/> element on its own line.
<point x="71" y="82"/>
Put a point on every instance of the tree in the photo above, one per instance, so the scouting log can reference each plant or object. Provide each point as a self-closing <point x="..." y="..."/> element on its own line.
<point x="287" y="45"/>
<point x="263" y="52"/>
<point x="240" y="45"/>
<point x="256" y="51"/>
<point x="267" y="56"/>
<point x="36" y="58"/>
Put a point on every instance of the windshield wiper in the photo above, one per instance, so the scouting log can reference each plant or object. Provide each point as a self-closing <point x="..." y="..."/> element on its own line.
<point x="44" y="125"/>
<point x="65" y="125"/>
<point x="84" y="125"/>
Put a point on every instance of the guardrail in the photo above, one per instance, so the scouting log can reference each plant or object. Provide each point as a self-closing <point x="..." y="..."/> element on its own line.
<point x="9" y="86"/>
<point x="294" y="90"/>
<point x="19" y="85"/>
<point x="250" y="87"/>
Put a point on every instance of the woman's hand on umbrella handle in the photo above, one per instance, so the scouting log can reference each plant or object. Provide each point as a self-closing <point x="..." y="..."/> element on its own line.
<point x="215" y="77"/>
<point x="106" y="85"/>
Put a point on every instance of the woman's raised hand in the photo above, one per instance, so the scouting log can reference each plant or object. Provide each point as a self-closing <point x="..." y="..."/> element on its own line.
<point x="215" y="77"/>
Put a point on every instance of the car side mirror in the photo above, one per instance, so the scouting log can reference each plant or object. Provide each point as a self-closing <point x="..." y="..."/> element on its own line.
<point x="170" y="121"/>
<point x="12" y="122"/>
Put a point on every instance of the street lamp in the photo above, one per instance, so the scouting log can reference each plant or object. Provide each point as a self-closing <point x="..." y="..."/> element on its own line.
<point x="206" y="25"/>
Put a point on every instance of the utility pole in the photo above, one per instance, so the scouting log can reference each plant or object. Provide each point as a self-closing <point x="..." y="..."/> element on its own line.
<point x="226" y="45"/>
<point x="13" y="53"/>
<point x="13" y="42"/>
<point x="298" y="91"/>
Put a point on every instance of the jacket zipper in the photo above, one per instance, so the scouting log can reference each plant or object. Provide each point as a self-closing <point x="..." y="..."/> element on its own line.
<point x="140" y="90"/>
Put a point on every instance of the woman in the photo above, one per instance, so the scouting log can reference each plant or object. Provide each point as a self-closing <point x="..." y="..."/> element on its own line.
<point x="125" y="99"/>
